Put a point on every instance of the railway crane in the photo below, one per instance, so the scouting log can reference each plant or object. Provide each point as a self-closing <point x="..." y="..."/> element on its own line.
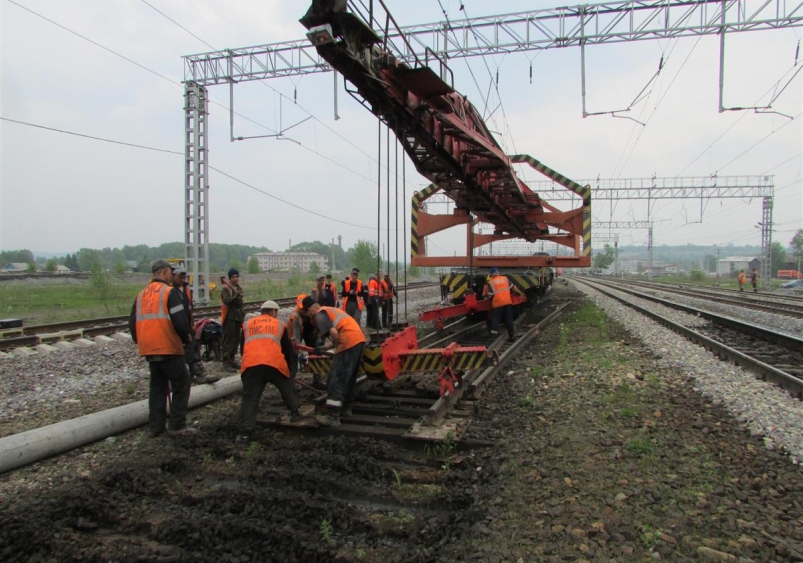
<point x="449" y="143"/>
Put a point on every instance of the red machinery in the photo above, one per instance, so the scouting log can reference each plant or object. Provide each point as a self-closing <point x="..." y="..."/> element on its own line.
<point x="449" y="143"/>
<point x="469" y="306"/>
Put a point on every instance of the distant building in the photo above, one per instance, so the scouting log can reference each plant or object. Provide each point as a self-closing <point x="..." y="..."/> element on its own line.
<point x="731" y="265"/>
<point x="16" y="267"/>
<point x="62" y="269"/>
<point x="665" y="269"/>
<point x="289" y="260"/>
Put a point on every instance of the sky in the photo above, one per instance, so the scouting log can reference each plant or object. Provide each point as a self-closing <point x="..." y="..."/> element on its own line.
<point x="114" y="70"/>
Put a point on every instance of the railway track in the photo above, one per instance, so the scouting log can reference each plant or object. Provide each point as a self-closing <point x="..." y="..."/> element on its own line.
<point x="411" y="408"/>
<point x="778" y="305"/>
<point x="772" y="356"/>
<point x="35" y="335"/>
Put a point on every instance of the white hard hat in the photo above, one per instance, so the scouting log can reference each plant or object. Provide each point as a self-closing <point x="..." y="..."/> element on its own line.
<point x="269" y="305"/>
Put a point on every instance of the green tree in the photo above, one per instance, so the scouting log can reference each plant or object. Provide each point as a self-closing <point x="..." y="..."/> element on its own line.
<point x="88" y="259"/>
<point x="120" y="267"/>
<point x="604" y="259"/>
<point x="31" y="267"/>
<point x="777" y="258"/>
<point x="365" y="257"/>
<point x="314" y="268"/>
<point x="797" y="247"/>
<point x="253" y="265"/>
<point x="710" y="263"/>
<point x="101" y="282"/>
<point x="51" y="264"/>
<point x="16" y="256"/>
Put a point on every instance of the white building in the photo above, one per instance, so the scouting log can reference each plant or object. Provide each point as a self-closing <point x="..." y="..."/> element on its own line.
<point x="301" y="261"/>
<point x="733" y="264"/>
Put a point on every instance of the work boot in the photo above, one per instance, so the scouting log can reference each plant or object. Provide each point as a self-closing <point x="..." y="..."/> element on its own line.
<point x="330" y="420"/>
<point x="242" y="440"/>
<point x="346" y="412"/>
<point x="199" y="372"/>
<point x="229" y="365"/>
<point x="317" y="382"/>
<point x="494" y="333"/>
<point x="295" y="416"/>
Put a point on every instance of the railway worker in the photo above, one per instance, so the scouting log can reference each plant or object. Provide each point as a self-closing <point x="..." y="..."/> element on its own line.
<point x="329" y="293"/>
<point x="194" y="363"/>
<point x="354" y="295"/>
<point x="372" y="304"/>
<point x="159" y="326"/>
<point x="267" y="358"/>
<point x="318" y="290"/>
<point x="388" y="292"/>
<point x="345" y="337"/>
<point x="742" y="279"/>
<point x="499" y="290"/>
<point x="754" y="280"/>
<point x="232" y="316"/>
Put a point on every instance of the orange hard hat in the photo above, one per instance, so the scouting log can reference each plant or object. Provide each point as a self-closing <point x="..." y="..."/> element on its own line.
<point x="299" y="300"/>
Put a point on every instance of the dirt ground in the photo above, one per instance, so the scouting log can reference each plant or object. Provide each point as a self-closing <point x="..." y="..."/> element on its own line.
<point x="598" y="457"/>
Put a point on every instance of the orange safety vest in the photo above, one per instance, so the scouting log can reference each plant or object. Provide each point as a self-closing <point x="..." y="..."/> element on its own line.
<point x="385" y="291"/>
<point x="156" y="335"/>
<point x="373" y="288"/>
<point x="501" y="291"/>
<point x="294" y="326"/>
<point x="188" y="295"/>
<point x="349" y="332"/>
<point x="347" y="288"/>
<point x="263" y="344"/>
<point x="742" y="277"/>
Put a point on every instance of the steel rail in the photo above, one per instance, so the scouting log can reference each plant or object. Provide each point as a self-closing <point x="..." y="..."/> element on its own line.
<point x="747" y="302"/>
<point x="766" y="372"/>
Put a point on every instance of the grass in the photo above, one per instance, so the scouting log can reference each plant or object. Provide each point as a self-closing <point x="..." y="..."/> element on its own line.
<point x="49" y="301"/>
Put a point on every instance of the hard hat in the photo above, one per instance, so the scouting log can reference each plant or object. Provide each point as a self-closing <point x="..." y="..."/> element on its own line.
<point x="300" y="299"/>
<point x="269" y="305"/>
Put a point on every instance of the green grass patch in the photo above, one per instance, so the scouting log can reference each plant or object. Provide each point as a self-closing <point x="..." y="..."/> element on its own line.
<point x="639" y="446"/>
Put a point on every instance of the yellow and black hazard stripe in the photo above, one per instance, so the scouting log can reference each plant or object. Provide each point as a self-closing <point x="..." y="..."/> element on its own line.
<point x="469" y="360"/>
<point x="418" y="199"/>
<point x="372" y="360"/>
<point x="319" y="365"/>
<point x="423" y="361"/>
<point x="525" y="281"/>
<point x="457" y="284"/>
<point x="583" y="191"/>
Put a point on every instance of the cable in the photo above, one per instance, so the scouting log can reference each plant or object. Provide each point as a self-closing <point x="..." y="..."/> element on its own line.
<point x="145" y="147"/>
<point x="754" y="145"/>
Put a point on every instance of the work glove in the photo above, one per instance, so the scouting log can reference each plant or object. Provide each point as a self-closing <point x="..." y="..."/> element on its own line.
<point x="320" y="351"/>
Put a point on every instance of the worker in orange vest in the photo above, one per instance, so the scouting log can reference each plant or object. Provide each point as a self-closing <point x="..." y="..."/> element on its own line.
<point x="267" y="358"/>
<point x="196" y="366"/>
<point x="386" y="293"/>
<point x="373" y="303"/>
<point x="499" y="290"/>
<point x="342" y="334"/>
<point x="354" y="295"/>
<point x="742" y="279"/>
<point x="232" y="316"/>
<point x="330" y="293"/>
<point x="160" y="326"/>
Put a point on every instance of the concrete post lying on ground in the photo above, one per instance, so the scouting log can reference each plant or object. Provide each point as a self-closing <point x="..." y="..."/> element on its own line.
<point x="33" y="445"/>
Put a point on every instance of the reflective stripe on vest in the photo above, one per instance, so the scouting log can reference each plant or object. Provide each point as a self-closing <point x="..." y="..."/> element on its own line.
<point x="348" y="331"/>
<point x="156" y="335"/>
<point x="263" y="344"/>
<point x="347" y="287"/>
<point x="501" y="290"/>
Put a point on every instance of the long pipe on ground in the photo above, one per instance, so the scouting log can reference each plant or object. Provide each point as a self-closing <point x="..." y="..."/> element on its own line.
<point x="33" y="445"/>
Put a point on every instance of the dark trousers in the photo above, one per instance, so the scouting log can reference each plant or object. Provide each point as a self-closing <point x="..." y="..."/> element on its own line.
<point x="254" y="381"/>
<point x="373" y="315"/>
<point x="353" y="310"/>
<point x="174" y="372"/>
<point x="340" y="385"/>
<point x="191" y="356"/>
<point x="387" y="313"/>
<point x="505" y="312"/>
<point x="231" y="338"/>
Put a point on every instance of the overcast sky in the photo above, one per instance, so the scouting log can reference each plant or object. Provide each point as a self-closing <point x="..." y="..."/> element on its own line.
<point x="59" y="193"/>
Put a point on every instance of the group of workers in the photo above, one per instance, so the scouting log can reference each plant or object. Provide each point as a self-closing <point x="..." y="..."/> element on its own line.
<point x="742" y="279"/>
<point x="161" y="326"/>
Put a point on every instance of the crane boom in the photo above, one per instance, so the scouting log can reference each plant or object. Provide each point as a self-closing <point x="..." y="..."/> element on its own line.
<point x="445" y="137"/>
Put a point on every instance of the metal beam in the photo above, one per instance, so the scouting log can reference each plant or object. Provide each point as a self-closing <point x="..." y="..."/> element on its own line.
<point x="595" y="24"/>
<point x="703" y="187"/>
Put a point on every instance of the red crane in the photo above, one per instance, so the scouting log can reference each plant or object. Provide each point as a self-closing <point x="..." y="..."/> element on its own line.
<point x="450" y="145"/>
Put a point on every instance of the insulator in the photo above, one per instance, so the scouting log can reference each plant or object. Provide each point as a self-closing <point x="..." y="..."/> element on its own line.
<point x="797" y="52"/>
<point x="531" y="73"/>
<point x="661" y="64"/>
<point x="497" y="77"/>
<point x="295" y="95"/>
